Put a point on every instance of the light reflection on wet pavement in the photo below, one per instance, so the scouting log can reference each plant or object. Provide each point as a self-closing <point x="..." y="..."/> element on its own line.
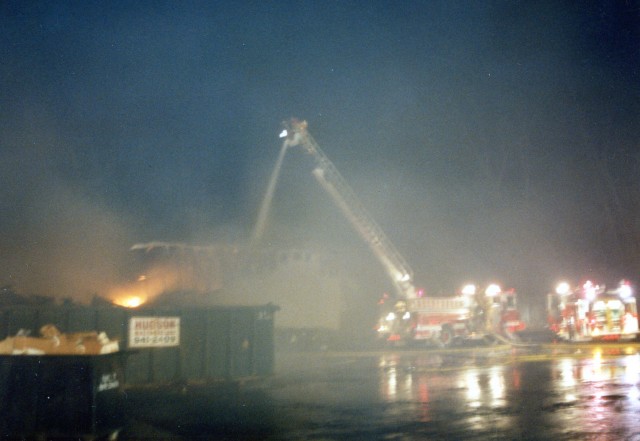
<point x="551" y="394"/>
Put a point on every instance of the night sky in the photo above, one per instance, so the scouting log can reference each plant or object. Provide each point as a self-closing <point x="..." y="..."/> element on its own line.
<point x="489" y="139"/>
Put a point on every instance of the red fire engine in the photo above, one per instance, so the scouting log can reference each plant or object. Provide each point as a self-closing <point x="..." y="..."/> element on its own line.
<point x="591" y="312"/>
<point x="469" y="315"/>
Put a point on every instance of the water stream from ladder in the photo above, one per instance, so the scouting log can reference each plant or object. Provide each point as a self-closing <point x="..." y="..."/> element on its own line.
<point x="268" y="198"/>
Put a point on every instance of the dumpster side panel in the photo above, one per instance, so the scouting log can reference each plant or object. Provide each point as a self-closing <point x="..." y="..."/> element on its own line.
<point x="108" y="377"/>
<point x="264" y="345"/>
<point x="64" y="396"/>
<point x="138" y="368"/>
<point x="193" y="344"/>
<point x="60" y="396"/>
<point x="6" y="403"/>
<point x="218" y="347"/>
<point x="154" y="364"/>
<point x="164" y="364"/>
<point x="215" y="343"/>
<point x="241" y="341"/>
<point x="20" y="393"/>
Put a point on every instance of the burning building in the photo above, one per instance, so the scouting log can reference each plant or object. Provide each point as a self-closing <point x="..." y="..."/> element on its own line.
<point x="308" y="286"/>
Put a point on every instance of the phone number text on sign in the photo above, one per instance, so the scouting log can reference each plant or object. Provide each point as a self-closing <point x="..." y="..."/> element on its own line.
<point x="150" y="332"/>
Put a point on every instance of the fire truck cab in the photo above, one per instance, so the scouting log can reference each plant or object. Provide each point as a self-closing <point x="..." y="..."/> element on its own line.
<point x="591" y="312"/>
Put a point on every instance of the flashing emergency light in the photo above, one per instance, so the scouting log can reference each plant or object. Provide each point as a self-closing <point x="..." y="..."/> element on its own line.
<point x="624" y="290"/>
<point x="493" y="290"/>
<point x="563" y="288"/>
<point x="589" y="290"/>
<point x="469" y="290"/>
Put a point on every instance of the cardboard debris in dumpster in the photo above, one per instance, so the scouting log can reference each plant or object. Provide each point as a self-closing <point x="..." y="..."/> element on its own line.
<point x="53" y="342"/>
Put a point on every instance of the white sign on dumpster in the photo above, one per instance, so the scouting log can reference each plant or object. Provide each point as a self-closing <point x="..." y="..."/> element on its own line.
<point x="154" y="332"/>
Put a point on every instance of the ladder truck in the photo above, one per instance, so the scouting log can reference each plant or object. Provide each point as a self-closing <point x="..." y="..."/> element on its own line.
<point x="409" y="316"/>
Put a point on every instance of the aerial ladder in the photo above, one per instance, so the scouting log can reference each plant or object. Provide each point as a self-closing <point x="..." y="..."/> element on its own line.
<point x="295" y="134"/>
<point x="414" y="317"/>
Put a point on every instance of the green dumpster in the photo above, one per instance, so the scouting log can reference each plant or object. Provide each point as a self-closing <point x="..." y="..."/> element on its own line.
<point x="77" y="396"/>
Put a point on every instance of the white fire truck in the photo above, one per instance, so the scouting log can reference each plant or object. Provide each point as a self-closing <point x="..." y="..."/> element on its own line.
<point x="592" y="312"/>
<point x="409" y="315"/>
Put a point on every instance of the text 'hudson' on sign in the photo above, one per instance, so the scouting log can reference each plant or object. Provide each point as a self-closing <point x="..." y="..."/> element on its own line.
<point x="154" y="332"/>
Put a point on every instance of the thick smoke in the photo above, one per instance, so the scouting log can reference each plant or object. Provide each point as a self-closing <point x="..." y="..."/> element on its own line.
<point x="57" y="240"/>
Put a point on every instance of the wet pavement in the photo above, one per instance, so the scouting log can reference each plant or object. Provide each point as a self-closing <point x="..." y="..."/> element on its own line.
<point x="552" y="392"/>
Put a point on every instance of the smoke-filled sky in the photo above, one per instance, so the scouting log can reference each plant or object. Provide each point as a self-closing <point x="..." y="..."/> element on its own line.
<point x="489" y="139"/>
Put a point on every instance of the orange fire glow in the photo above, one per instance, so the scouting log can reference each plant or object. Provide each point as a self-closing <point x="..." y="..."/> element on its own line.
<point x="129" y="301"/>
<point x="157" y="280"/>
